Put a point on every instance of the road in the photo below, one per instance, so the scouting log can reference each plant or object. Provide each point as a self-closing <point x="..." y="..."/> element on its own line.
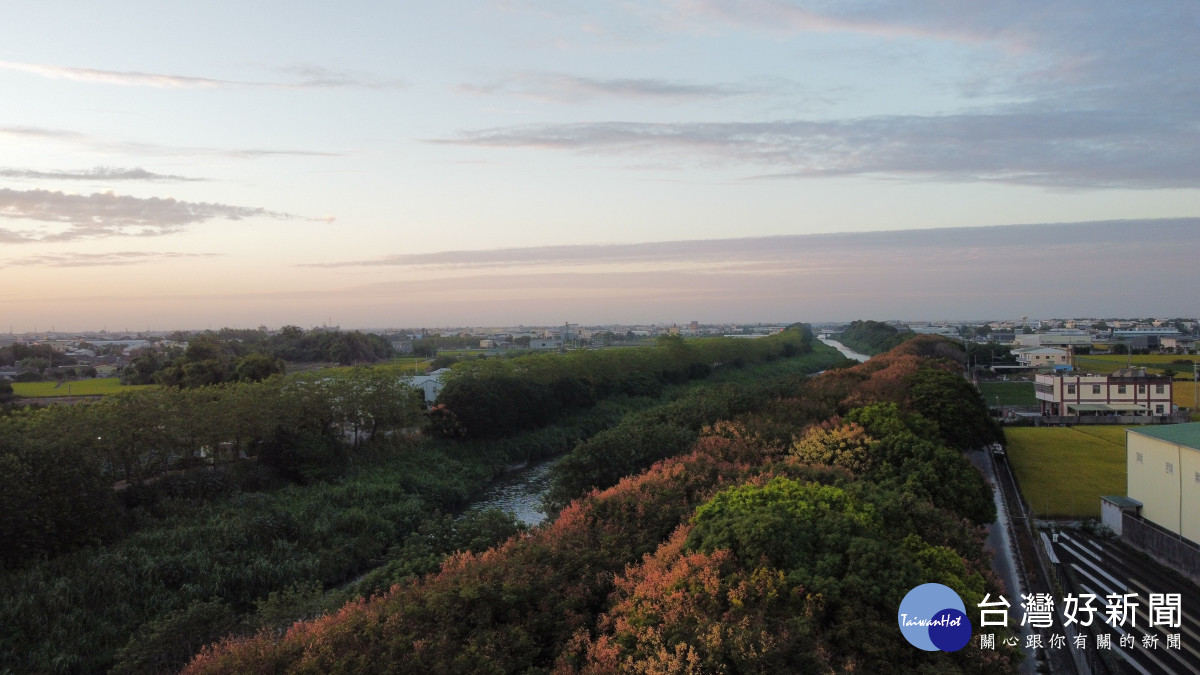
<point x="1006" y="556"/>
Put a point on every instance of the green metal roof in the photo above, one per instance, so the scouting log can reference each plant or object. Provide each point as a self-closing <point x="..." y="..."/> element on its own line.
<point x="1187" y="435"/>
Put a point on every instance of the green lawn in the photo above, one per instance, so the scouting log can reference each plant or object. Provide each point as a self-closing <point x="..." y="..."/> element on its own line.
<point x="1010" y="393"/>
<point x="97" y="386"/>
<point x="1063" y="471"/>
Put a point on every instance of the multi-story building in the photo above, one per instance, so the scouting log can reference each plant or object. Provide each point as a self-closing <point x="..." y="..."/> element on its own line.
<point x="1041" y="356"/>
<point x="1129" y="391"/>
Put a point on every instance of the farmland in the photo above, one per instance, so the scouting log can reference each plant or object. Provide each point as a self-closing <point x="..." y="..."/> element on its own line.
<point x="1063" y="471"/>
<point x="95" y="387"/>
<point x="1154" y="363"/>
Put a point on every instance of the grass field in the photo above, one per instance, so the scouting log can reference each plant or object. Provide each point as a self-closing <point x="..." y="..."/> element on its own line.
<point x="97" y="386"/>
<point x="1154" y="363"/>
<point x="1063" y="471"/>
<point x="410" y="363"/>
<point x="1184" y="394"/>
<point x="1009" y="393"/>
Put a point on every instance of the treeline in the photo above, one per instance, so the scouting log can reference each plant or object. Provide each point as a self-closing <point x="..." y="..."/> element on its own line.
<point x="872" y="337"/>
<point x="781" y="540"/>
<point x="250" y="355"/>
<point x="61" y="463"/>
<point x="491" y="398"/>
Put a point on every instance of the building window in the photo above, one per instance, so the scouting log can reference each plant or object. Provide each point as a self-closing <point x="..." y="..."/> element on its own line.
<point x="1158" y="409"/>
<point x="1095" y="389"/>
<point x="1170" y="469"/>
<point x="1070" y="389"/>
<point x="1120" y="389"/>
<point x="1141" y="388"/>
<point x="1160" y="389"/>
<point x="1139" y="458"/>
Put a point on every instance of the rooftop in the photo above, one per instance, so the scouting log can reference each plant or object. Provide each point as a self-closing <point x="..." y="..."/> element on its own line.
<point x="1187" y="435"/>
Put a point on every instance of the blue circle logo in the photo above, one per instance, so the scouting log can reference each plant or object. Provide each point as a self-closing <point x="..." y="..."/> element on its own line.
<point x="932" y="617"/>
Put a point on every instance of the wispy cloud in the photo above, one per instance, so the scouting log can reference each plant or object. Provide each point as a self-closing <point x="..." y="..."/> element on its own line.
<point x="112" y="259"/>
<point x="913" y="273"/>
<point x="303" y="77"/>
<point x="96" y="143"/>
<point x="566" y="88"/>
<point x="815" y="251"/>
<point x="964" y="273"/>
<point x="1094" y="95"/>
<point x="101" y="173"/>
<point x="1082" y="149"/>
<point x="105" y="214"/>
<point x="309" y="76"/>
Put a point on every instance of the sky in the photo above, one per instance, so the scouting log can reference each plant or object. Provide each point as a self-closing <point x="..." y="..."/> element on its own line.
<point x="364" y="164"/>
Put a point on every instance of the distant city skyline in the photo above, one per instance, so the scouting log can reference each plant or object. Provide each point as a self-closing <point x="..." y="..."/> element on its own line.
<point x="535" y="161"/>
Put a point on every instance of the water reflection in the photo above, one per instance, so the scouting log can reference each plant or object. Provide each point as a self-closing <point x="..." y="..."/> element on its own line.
<point x="519" y="492"/>
<point x="846" y="351"/>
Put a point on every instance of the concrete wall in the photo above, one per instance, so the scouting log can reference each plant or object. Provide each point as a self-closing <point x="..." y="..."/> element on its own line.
<point x="1111" y="515"/>
<point x="1181" y="556"/>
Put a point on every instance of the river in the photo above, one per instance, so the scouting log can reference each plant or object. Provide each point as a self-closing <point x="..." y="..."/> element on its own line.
<point x="846" y="351"/>
<point x="518" y="492"/>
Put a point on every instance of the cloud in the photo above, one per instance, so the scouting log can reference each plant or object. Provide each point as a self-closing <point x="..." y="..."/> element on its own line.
<point x="317" y="77"/>
<point x="1052" y="270"/>
<point x="102" y="173"/>
<point x="116" y="258"/>
<point x="768" y="255"/>
<point x="1071" y="94"/>
<point x="98" y="144"/>
<point x="105" y="214"/>
<point x="309" y="77"/>
<point x="564" y="88"/>
<point x="967" y="273"/>
<point x="1079" y="149"/>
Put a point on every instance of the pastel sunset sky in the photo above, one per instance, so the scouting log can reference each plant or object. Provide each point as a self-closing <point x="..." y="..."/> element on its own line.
<point x="192" y="165"/>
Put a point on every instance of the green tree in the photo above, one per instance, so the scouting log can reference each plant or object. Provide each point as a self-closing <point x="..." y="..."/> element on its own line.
<point x="256" y="367"/>
<point x="956" y="407"/>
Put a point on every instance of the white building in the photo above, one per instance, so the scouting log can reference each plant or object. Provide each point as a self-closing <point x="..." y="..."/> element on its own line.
<point x="431" y="384"/>
<point x="1041" y="356"/>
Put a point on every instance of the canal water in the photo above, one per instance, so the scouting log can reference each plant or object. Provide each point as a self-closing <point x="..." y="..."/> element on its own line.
<point x="846" y="351"/>
<point x="519" y="492"/>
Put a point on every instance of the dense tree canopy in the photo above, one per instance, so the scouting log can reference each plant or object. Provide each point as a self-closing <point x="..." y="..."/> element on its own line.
<point x="745" y="551"/>
<point x="872" y="337"/>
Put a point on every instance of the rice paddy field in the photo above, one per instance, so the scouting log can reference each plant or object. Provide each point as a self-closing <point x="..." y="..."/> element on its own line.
<point x="99" y="386"/>
<point x="1063" y="471"/>
<point x="1154" y="363"/>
